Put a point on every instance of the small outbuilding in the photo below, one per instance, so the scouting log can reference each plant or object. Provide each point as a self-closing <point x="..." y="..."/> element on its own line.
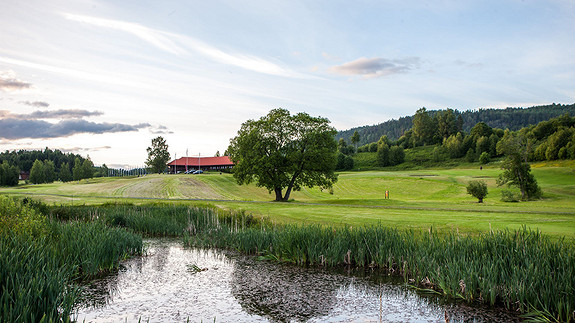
<point x="24" y="176"/>
<point x="186" y="164"/>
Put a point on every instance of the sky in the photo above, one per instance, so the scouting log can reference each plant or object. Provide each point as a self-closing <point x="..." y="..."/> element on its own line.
<point x="103" y="78"/>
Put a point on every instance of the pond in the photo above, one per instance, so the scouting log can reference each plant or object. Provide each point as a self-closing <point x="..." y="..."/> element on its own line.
<point x="173" y="284"/>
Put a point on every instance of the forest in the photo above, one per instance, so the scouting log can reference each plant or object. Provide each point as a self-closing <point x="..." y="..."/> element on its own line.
<point x="509" y="118"/>
<point x="551" y="139"/>
<point x="46" y="166"/>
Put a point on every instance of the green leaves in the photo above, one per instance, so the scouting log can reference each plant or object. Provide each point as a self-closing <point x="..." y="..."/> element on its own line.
<point x="477" y="189"/>
<point x="516" y="171"/>
<point x="158" y="155"/>
<point x="280" y="151"/>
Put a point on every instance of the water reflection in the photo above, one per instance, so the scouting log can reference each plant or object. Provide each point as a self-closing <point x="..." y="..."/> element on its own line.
<point x="172" y="284"/>
<point x="283" y="293"/>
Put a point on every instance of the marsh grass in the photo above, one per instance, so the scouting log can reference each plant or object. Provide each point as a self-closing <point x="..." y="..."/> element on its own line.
<point x="155" y="220"/>
<point x="521" y="270"/>
<point x="33" y="283"/>
<point x="41" y="259"/>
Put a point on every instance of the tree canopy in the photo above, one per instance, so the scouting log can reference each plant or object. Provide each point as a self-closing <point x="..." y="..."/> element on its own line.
<point x="477" y="189"/>
<point x="516" y="170"/>
<point x="280" y="151"/>
<point x="158" y="155"/>
<point x="8" y="174"/>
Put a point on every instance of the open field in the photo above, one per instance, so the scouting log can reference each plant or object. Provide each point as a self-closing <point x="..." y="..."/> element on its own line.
<point x="418" y="199"/>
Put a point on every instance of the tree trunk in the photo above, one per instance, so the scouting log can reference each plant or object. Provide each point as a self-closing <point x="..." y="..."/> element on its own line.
<point x="521" y="185"/>
<point x="278" y="192"/>
<point x="288" y="192"/>
<point x="290" y="186"/>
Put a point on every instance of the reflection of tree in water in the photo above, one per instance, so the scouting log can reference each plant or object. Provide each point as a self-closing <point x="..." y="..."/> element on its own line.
<point x="283" y="293"/>
<point x="289" y="293"/>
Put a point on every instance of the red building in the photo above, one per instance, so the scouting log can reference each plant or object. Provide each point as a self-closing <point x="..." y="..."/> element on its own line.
<point x="185" y="164"/>
<point x="24" y="176"/>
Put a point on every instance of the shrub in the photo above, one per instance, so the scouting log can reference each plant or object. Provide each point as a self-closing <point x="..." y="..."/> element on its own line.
<point x="510" y="196"/>
<point x="477" y="189"/>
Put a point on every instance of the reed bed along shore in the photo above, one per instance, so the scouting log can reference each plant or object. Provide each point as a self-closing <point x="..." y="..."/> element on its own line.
<point x="41" y="259"/>
<point x="522" y="270"/>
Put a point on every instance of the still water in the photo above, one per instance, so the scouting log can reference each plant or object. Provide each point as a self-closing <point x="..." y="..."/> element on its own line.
<point x="173" y="284"/>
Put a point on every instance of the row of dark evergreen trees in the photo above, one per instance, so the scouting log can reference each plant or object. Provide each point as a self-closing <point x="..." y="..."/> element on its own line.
<point x="9" y="174"/>
<point x="24" y="159"/>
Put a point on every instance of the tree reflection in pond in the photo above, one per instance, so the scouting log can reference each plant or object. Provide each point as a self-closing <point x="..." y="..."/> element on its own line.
<point x="160" y="287"/>
<point x="283" y="293"/>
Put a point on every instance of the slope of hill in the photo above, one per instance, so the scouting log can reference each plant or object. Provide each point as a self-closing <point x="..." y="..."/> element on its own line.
<point x="511" y="118"/>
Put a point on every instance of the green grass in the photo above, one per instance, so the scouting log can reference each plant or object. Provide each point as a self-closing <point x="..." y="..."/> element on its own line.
<point x="418" y="198"/>
<point x="40" y="258"/>
<point x="519" y="269"/>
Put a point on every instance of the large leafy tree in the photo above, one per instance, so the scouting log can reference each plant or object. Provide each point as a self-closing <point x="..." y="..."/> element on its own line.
<point x="87" y="168"/>
<point x="77" y="172"/>
<point x="49" y="171"/>
<point x="158" y="155"/>
<point x="516" y="171"/>
<point x="477" y="189"/>
<point x="280" y="151"/>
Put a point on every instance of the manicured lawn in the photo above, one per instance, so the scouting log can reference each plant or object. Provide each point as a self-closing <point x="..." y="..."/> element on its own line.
<point x="418" y="198"/>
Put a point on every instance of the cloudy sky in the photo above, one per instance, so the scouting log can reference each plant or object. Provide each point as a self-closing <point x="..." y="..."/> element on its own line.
<point x="102" y="78"/>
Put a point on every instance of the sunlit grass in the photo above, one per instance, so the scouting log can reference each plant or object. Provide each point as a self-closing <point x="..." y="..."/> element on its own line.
<point x="418" y="198"/>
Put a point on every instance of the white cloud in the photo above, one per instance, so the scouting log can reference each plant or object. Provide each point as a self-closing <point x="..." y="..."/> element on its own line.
<point x="149" y="35"/>
<point x="178" y="44"/>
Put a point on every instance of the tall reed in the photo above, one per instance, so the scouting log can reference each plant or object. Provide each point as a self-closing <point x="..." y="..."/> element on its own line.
<point x="521" y="270"/>
<point x="152" y="219"/>
<point x="33" y="284"/>
<point x="40" y="259"/>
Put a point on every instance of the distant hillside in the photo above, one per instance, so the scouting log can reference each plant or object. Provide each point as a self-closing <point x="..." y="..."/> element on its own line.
<point x="511" y="118"/>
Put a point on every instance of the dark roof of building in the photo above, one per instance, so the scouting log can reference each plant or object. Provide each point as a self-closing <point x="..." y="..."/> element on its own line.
<point x="202" y="161"/>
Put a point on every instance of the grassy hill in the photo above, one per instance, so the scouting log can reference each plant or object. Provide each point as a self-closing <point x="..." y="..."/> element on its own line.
<point x="418" y="198"/>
